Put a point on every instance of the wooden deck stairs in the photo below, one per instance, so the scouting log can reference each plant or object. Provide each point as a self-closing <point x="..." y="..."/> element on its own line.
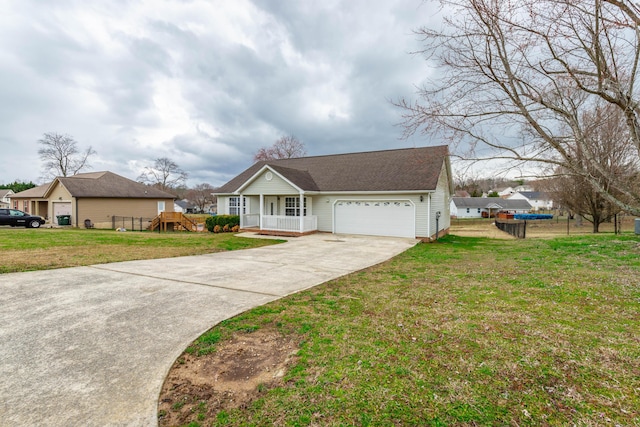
<point x="175" y="221"/>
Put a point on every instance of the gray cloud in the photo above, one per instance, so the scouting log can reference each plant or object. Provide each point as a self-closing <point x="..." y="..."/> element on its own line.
<point x="206" y="83"/>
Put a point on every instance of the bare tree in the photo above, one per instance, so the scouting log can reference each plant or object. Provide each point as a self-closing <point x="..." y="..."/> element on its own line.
<point x="515" y="79"/>
<point x="286" y="147"/>
<point x="201" y="195"/>
<point x="606" y="144"/>
<point x="164" y="174"/>
<point x="61" y="155"/>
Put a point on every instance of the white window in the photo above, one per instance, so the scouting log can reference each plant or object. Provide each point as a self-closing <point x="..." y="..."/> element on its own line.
<point x="292" y="206"/>
<point x="25" y="206"/>
<point x="234" y="205"/>
<point x="160" y="207"/>
<point x="478" y="210"/>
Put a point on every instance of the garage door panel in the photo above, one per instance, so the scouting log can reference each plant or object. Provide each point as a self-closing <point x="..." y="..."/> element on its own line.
<point x="376" y="218"/>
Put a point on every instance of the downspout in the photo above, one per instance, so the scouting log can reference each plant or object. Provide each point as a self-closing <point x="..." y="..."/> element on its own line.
<point x="76" y="199"/>
<point x="429" y="216"/>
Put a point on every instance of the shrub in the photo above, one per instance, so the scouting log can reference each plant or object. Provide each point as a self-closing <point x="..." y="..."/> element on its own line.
<point x="226" y="228"/>
<point x="235" y="228"/>
<point x="216" y="228"/>
<point x="222" y="220"/>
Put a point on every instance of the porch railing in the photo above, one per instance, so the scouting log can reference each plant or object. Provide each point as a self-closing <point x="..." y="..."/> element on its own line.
<point x="251" y="220"/>
<point x="286" y="223"/>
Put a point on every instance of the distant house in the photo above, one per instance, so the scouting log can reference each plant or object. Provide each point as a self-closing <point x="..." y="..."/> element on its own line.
<point x="96" y="196"/>
<point x="479" y="207"/>
<point x="184" y="206"/>
<point x="537" y="199"/>
<point x="402" y="193"/>
<point x="5" y="198"/>
<point x="503" y="192"/>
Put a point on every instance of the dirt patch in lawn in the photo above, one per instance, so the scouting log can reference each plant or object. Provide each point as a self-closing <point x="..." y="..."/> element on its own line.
<point x="237" y="373"/>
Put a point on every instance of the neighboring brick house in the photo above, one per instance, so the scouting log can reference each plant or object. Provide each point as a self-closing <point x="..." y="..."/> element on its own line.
<point x="96" y="196"/>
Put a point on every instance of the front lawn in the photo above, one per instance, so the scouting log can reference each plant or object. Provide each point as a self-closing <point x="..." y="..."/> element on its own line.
<point x="467" y="331"/>
<point x="42" y="249"/>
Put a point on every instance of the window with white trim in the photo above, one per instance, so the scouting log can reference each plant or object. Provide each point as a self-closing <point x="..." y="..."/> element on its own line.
<point x="25" y="206"/>
<point x="234" y="205"/>
<point x="292" y="206"/>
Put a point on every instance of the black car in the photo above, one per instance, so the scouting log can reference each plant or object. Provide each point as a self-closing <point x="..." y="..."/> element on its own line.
<point x="16" y="218"/>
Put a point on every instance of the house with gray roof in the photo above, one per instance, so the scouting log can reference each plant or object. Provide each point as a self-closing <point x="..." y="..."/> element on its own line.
<point x="96" y="196"/>
<point x="479" y="207"/>
<point x="403" y="192"/>
<point x="538" y="199"/>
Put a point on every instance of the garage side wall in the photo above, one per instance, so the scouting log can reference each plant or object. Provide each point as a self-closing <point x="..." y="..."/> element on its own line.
<point x="440" y="202"/>
<point x="101" y="211"/>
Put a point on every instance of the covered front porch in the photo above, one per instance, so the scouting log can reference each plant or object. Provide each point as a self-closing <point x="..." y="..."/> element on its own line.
<point x="290" y="214"/>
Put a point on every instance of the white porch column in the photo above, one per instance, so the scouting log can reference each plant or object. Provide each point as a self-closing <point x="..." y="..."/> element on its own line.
<point x="301" y="213"/>
<point x="261" y="209"/>
<point x="240" y="209"/>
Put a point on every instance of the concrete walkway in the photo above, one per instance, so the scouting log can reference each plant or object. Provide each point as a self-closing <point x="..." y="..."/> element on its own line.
<point x="91" y="346"/>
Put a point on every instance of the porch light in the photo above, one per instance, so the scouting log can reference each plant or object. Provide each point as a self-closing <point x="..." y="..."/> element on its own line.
<point x="421" y="198"/>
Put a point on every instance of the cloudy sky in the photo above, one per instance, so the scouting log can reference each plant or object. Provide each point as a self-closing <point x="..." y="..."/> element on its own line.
<point x="204" y="82"/>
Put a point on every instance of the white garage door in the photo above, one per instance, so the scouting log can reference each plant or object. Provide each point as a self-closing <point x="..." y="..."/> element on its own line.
<point x="375" y="217"/>
<point x="60" y="208"/>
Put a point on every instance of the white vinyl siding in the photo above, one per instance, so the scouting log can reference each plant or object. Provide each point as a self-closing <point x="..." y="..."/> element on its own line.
<point x="276" y="186"/>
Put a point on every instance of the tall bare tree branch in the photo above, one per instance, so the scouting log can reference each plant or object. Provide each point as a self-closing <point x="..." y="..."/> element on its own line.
<point x="517" y="78"/>
<point x="61" y="155"/>
<point x="286" y="147"/>
<point x="164" y="174"/>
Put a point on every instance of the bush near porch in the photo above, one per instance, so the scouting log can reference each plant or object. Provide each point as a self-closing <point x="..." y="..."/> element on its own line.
<point x="221" y="220"/>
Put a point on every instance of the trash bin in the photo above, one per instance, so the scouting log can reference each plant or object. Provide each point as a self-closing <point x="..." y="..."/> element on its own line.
<point x="64" y="219"/>
<point x="637" y="226"/>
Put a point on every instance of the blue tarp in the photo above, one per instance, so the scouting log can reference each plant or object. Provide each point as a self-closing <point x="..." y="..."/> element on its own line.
<point x="532" y="216"/>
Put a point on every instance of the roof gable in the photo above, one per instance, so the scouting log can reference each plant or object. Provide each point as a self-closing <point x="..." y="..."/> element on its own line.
<point x="409" y="169"/>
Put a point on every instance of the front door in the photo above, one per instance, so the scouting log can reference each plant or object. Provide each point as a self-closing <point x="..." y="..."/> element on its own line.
<point x="271" y="205"/>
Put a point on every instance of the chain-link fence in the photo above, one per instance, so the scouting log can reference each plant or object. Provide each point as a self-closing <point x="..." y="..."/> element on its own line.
<point x="130" y="223"/>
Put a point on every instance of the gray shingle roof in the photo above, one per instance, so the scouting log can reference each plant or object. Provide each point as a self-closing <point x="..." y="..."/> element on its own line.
<point x="110" y="185"/>
<point x="409" y="169"/>
<point x="484" y="202"/>
<point x="32" y="193"/>
<point x="99" y="185"/>
<point x="534" y="195"/>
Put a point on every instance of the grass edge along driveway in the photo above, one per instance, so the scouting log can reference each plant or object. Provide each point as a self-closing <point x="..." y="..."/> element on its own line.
<point x="44" y="249"/>
<point x="467" y="331"/>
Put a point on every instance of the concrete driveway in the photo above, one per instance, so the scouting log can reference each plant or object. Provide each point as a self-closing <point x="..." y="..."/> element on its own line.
<point x="91" y="346"/>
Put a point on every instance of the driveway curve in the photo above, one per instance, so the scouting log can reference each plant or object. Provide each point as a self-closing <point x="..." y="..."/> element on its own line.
<point x="92" y="345"/>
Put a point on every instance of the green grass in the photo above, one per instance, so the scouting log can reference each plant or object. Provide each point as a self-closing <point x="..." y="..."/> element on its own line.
<point x="467" y="331"/>
<point x="41" y="249"/>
